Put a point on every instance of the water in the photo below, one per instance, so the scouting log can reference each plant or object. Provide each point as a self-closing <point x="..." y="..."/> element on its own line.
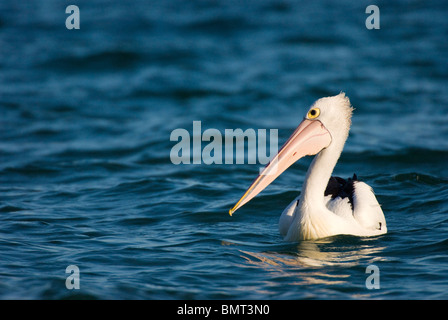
<point x="86" y="117"/>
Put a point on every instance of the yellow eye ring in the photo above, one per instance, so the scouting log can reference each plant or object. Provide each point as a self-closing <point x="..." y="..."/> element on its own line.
<point x="313" y="113"/>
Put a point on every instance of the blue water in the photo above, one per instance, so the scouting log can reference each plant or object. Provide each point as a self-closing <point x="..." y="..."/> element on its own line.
<point x="85" y="123"/>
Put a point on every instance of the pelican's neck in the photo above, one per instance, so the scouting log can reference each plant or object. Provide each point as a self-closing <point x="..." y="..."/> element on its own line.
<point x="318" y="174"/>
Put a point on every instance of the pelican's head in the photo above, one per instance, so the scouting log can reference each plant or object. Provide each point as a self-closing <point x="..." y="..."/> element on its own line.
<point x="334" y="113"/>
<point x="327" y="122"/>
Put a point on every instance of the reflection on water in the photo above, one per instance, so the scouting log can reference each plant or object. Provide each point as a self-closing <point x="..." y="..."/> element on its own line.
<point x="309" y="262"/>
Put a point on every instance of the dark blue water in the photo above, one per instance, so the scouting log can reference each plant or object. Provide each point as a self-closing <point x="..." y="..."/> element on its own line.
<point x="85" y="123"/>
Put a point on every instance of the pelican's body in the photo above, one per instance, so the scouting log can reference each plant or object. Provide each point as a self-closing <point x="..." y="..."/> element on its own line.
<point x="357" y="214"/>
<point x="327" y="205"/>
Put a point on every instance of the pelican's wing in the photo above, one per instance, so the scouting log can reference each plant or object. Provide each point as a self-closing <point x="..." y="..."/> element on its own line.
<point x="339" y="196"/>
<point x="366" y="209"/>
<point x="287" y="217"/>
<point x="340" y="206"/>
<point x="353" y="199"/>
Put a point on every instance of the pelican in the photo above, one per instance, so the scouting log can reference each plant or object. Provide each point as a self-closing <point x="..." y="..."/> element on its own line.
<point x="327" y="205"/>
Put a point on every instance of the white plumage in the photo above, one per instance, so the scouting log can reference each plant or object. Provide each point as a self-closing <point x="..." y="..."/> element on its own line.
<point x="362" y="217"/>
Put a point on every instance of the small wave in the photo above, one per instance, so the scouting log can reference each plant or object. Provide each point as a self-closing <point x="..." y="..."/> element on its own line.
<point x="8" y="208"/>
<point x="420" y="178"/>
<point x="93" y="62"/>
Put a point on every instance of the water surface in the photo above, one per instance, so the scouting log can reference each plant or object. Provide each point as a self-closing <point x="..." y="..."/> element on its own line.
<point x="85" y="123"/>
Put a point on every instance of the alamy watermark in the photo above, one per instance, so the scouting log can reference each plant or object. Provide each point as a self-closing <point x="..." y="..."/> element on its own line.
<point x="219" y="148"/>
<point x="373" y="280"/>
<point x="73" y="280"/>
<point x="73" y="20"/>
<point x="373" y="20"/>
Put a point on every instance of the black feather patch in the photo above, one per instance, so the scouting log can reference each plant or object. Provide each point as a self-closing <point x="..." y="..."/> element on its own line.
<point x="338" y="187"/>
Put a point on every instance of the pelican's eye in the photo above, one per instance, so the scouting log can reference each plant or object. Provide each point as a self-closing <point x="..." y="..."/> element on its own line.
<point x="313" y="113"/>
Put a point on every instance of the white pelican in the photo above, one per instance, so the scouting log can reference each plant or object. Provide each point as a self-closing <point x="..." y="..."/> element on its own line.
<point x="327" y="205"/>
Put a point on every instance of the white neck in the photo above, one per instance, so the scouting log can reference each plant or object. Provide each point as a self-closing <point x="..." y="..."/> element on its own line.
<point x="314" y="220"/>
<point x="319" y="172"/>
